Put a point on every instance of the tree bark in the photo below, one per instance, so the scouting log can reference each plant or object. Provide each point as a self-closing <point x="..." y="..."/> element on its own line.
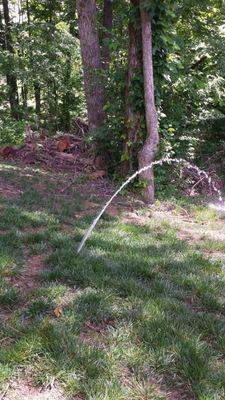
<point x="132" y="117"/>
<point x="107" y="25"/>
<point x="90" y="49"/>
<point x="10" y="76"/>
<point x="148" y="152"/>
<point x="66" y="102"/>
<point x="37" y="95"/>
<point x="28" y="14"/>
<point x="2" y="33"/>
<point x="36" y="85"/>
<point x="24" y="95"/>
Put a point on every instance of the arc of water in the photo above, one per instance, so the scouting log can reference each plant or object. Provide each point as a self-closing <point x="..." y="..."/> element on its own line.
<point x="158" y="162"/>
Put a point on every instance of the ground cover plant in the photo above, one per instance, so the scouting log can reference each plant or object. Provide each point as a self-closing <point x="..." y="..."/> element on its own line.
<point x="139" y="314"/>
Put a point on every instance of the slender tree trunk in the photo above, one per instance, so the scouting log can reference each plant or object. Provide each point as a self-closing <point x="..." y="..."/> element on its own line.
<point x="24" y="86"/>
<point x="2" y="33"/>
<point x="132" y="117"/>
<point x="66" y="102"/>
<point x="24" y="94"/>
<point x="10" y="76"/>
<point x="107" y="25"/>
<point x="28" y="14"/>
<point x="148" y="153"/>
<point x="90" y="49"/>
<point x="37" y="95"/>
<point x="36" y="85"/>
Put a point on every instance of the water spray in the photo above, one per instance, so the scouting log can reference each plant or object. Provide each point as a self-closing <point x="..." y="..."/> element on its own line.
<point x="158" y="162"/>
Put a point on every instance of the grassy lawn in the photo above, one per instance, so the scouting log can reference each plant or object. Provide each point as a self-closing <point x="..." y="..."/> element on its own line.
<point x="139" y="315"/>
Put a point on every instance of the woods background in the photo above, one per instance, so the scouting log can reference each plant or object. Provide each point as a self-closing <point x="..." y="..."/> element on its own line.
<point x="60" y="60"/>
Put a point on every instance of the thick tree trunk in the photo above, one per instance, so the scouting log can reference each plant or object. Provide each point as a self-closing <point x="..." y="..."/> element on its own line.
<point x="90" y="49"/>
<point x="107" y="25"/>
<point x="132" y="117"/>
<point x="10" y="76"/>
<point x="148" y="153"/>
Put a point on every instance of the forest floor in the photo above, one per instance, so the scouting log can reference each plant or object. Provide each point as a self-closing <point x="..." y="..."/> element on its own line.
<point x="138" y="315"/>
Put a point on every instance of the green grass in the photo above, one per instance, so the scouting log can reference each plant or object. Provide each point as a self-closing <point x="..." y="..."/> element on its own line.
<point x="141" y="312"/>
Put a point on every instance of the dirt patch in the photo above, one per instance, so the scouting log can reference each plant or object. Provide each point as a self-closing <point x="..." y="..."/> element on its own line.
<point x="40" y="187"/>
<point x="215" y="255"/>
<point x="195" y="241"/>
<point x="95" y="339"/>
<point x="23" y="390"/>
<point x="100" y="326"/>
<point x="133" y="218"/>
<point x="195" y="233"/>
<point x="101" y="188"/>
<point x="96" y="333"/>
<point x="8" y="191"/>
<point x="36" y="229"/>
<point x="193" y="304"/>
<point x="187" y="237"/>
<point x="154" y="385"/>
<point x="177" y="395"/>
<point x="30" y="279"/>
<point x="171" y="394"/>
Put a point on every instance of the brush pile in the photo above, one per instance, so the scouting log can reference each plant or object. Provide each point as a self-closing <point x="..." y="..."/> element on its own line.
<point x="200" y="182"/>
<point x="68" y="152"/>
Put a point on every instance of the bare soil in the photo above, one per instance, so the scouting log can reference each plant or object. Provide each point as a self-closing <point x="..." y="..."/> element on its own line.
<point x="8" y="191"/>
<point x="23" y="390"/>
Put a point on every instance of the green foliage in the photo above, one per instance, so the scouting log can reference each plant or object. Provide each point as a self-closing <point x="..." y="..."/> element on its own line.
<point x="11" y="131"/>
<point x="188" y="47"/>
<point x="46" y="55"/>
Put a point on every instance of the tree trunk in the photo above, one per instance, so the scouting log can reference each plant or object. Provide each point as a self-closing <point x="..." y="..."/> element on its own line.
<point x="10" y="76"/>
<point x="24" y="86"/>
<point x="66" y="102"/>
<point x="24" y="95"/>
<point x="37" y="95"/>
<point x="28" y="14"/>
<point x="36" y="85"/>
<point x="148" y="153"/>
<point x="2" y="33"/>
<point x="90" y="49"/>
<point x="107" y="25"/>
<point x="132" y="117"/>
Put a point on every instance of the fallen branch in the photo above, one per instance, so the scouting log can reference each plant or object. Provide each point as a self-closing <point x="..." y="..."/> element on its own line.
<point x="196" y="184"/>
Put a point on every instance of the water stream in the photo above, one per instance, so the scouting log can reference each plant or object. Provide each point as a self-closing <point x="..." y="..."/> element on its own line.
<point x="158" y="162"/>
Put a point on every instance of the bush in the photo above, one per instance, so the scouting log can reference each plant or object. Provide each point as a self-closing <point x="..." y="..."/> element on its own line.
<point x="11" y="131"/>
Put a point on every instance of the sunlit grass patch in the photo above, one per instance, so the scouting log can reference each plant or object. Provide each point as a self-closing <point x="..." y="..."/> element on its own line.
<point x="9" y="296"/>
<point x="212" y="244"/>
<point x="138" y="314"/>
<point x="41" y="306"/>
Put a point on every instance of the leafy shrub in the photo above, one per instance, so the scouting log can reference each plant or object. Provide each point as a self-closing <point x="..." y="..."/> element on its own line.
<point x="11" y="131"/>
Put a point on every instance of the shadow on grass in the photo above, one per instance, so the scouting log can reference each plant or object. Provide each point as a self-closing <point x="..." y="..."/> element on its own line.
<point x="167" y="300"/>
<point x="141" y="312"/>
